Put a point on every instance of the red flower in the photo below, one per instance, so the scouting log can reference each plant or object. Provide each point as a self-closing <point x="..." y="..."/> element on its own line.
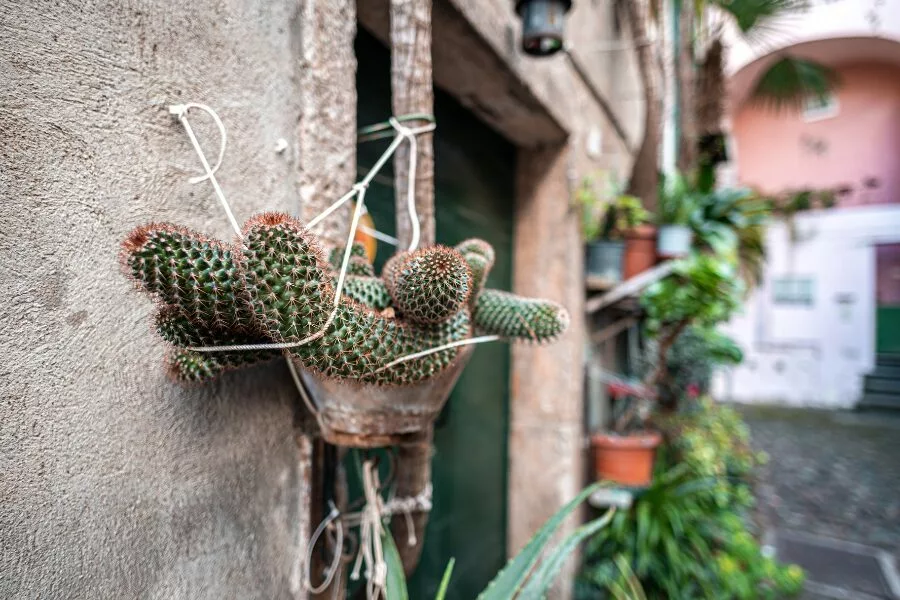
<point x="693" y="390"/>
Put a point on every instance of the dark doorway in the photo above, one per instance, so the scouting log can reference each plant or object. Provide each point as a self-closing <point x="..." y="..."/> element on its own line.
<point x="474" y="179"/>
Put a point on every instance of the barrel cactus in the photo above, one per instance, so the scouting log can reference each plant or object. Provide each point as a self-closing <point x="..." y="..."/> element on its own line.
<point x="276" y="286"/>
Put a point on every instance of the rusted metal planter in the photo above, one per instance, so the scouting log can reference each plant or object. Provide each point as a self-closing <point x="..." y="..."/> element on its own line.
<point x="372" y="416"/>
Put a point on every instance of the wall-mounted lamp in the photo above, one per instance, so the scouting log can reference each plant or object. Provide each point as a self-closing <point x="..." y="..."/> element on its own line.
<point x="543" y="25"/>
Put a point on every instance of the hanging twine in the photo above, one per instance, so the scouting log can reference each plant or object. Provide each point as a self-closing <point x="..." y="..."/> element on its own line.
<point x="358" y="191"/>
<point x="370" y="520"/>
<point x="371" y="552"/>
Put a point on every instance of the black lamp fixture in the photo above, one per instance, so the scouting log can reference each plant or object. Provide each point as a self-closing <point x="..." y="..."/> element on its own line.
<point x="543" y="25"/>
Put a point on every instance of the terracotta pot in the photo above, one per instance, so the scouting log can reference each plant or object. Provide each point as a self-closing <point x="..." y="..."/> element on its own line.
<point x="625" y="459"/>
<point x="640" y="250"/>
<point x="360" y="415"/>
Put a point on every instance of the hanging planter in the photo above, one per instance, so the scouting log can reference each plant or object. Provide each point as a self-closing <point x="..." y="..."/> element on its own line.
<point x="373" y="416"/>
<point x="379" y="354"/>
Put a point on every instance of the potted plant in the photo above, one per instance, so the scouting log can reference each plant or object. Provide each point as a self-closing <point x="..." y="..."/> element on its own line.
<point x="605" y="227"/>
<point x="625" y="454"/>
<point x="677" y="203"/>
<point x="379" y="359"/>
<point x="702" y="290"/>
<point x="640" y="250"/>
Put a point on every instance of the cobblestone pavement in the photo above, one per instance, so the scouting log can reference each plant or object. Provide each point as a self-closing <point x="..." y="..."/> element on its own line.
<point x="834" y="474"/>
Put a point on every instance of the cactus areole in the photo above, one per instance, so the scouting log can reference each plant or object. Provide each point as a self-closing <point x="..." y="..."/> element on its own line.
<point x="277" y="286"/>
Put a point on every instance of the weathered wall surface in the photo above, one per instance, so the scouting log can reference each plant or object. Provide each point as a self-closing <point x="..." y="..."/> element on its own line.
<point x="607" y="55"/>
<point x="114" y="481"/>
<point x="815" y="354"/>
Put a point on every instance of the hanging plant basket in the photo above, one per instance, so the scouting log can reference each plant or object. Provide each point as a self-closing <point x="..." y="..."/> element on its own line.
<point x="379" y="354"/>
<point x="360" y="415"/>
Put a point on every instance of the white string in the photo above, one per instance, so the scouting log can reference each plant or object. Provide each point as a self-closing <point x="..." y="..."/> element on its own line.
<point x="410" y="134"/>
<point x="338" y="545"/>
<point x="371" y="552"/>
<point x="447" y="346"/>
<point x="379" y="235"/>
<point x="302" y="389"/>
<point x="359" y="190"/>
<point x="181" y="110"/>
<point x="418" y="503"/>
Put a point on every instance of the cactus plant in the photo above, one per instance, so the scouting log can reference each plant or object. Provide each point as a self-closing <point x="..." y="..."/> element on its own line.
<point x="275" y="286"/>
<point x="511" y="316"/>
<point x="429" y="285"/>
<point x="359" y="262"/>
<point x="479" y="255"/>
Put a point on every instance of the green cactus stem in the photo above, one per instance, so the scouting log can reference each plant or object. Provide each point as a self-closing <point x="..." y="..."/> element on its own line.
<point x="183" y="268"/>
<point x="479" y="255"/>
<point x="368" y="291"/>
<point x="515" y="317"/>
<point x="187" y="365"/>
<point x="277" y="287"/>
<point x="359" y="262"/>
<point x="292" y="294"/>
<point x="430" y="284"/>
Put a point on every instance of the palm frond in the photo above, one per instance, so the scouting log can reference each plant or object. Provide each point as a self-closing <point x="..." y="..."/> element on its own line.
<point x="790" y="81"/>
<point x="754" y="14"/>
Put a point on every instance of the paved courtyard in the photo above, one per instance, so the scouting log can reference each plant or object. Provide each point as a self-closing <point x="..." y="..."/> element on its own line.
<point x="831" y="474"/>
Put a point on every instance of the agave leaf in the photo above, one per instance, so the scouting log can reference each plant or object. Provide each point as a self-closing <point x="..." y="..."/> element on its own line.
<point x="510" y="580"/>
<point x="396" y="578"/>
<point x="537" y="585"/>
<point x="445" y="580"/>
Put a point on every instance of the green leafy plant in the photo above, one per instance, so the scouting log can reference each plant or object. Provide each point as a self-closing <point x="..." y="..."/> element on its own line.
<point x="702" y="290"/>
<point x="677" y="200"/>
<point x="688" y="535"/>
<point x="789" y="203"/>
<point x="733" y="222"/>
<point x="694" y="356"/>
<point x="275" y="287"/>
<point x="610" y="215"/>
<point x="529" y="574"/>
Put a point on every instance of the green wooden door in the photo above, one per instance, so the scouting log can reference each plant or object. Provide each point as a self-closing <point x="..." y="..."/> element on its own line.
<point x="887" y="290"/>
<point x="473" y="198"/>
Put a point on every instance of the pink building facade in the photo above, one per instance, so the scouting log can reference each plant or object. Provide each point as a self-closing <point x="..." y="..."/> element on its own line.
<point x="852" y="146"/>
<point x="829" y="304"/>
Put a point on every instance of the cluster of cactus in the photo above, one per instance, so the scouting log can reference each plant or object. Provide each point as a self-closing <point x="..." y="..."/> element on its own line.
<point x="275" y="286"/>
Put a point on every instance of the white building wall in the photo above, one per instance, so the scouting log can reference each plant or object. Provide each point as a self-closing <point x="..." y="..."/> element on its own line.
<point x="824" y="19"/>
<point x="813" y="355"/>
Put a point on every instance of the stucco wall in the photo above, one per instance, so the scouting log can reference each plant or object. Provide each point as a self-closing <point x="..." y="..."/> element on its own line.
<point x="780" y="151"/>
<point x="817" y="354"/>
<point x="114" y="481"/>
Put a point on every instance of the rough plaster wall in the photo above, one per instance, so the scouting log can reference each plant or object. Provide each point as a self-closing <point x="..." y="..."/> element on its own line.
<point x="114" y="481"/>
